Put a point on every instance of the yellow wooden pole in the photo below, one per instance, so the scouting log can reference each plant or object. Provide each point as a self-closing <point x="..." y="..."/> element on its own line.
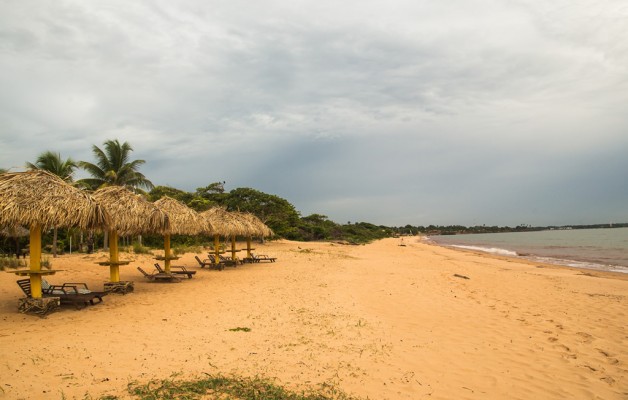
<point x="114" y="267"/>
<point x="248" y="247"/>
<point x="35" y="261"/>
<point x="217" y="248"/>
<point x="233" y="248"/>
<point x="167" y="252"/>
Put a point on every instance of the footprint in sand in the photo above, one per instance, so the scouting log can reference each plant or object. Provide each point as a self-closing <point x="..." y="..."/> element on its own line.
<point x="567" y="351"/>
<point x="608" y="380"/>
<point x="586" y="338"/>
<point x="563" y="347"/>
<point x="611" y="360"/>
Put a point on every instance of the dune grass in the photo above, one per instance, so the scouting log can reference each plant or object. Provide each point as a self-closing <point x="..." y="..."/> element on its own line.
<point x="227" y="387"/>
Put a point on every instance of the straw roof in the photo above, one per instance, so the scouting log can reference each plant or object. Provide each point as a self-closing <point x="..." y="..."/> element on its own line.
<point x="40" y="198"/>
<point x="131" y="214"/>
<point x="224" y="222"/>
<point x="14" y="231"/>
<point x="256" y="226"/>
<point x="183" y="220"/>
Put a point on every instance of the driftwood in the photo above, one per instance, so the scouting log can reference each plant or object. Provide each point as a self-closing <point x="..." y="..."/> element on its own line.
<point x="461" y="276"/>
<point x="40" y="306"/>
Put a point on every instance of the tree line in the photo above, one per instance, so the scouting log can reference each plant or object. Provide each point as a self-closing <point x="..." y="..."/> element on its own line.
<point x="114" y="166"/>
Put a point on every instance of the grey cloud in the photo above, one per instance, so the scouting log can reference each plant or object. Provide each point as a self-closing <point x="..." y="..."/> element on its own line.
<point x="457" y="112"/>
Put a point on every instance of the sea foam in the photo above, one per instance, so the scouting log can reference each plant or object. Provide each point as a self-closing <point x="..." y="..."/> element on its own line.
<point x="492" y="250"/>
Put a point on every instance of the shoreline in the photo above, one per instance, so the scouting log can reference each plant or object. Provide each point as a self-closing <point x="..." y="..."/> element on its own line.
<point x="536" y="262"/>
<point x="378" y="320"/>
<point x="498" y="251"/>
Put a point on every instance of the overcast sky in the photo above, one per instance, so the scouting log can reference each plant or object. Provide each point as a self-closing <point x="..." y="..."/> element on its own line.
<point x="393" y="112"/>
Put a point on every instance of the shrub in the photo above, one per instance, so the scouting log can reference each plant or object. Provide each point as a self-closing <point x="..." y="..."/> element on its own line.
<point x="11" y="262"/>
<point x="182" y="249"/>
<point x="139" y="249"/>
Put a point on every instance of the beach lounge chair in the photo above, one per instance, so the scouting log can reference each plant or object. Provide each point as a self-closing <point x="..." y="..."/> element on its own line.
<point x="262" y="257"/>
<point x="67" y="293"/>
<point x="225" y="262"/>
<point x="159" y="276"/>
<point x="230" y="261"/>
<point x="72" y="288"/>
<point x="180" y="271"/>
<point x="208" y="263"/>
<point x="78" y="287"/>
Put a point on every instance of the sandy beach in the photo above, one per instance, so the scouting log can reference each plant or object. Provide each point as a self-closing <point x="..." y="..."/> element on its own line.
<point x="381" y="321"/>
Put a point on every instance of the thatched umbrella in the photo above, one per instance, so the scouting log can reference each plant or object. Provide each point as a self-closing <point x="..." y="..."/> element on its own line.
<point x="15" y="232"/>
<point x="258" y="228"/>
<point x="41" y="200"/>
<point x="224" y="223"/>
<point x="183" y="221"/>
<point x="131" y="214"/>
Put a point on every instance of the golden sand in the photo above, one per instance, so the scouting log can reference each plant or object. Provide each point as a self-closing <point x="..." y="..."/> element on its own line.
<point x="380" y="320"/>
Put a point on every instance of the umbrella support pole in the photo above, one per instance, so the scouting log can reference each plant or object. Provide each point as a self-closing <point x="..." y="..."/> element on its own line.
<point x="40" y="306"/>
<point x="120" y="287"/>
<point x="217" y="249"/>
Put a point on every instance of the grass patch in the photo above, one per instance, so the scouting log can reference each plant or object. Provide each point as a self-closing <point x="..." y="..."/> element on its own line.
<point x="11" y="263"/>
<point x="233" y="387"/>
<point x="183" y="249"/>
<point x="139" y="249"/>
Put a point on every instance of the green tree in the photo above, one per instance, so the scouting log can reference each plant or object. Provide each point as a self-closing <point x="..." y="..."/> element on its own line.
<point x="64" y="169"/>
<point x="277" y="213"/>
<point x="317" y="227"/>
<point x="114" y="167"/>
<point x="211" y="195"/>
<point x="160" y="191"/>
<point x="53" y="163"/>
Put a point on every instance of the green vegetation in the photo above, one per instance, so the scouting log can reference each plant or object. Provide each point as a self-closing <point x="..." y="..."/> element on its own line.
<point x="11" y="262"/>
<point x="180" y="250"/>
<point x="276" y="212"/>
<point x="232" y="387"/>
<point x="113" y="167"/>
<point x="140" y="249"/>
<point x="64" y="169"/>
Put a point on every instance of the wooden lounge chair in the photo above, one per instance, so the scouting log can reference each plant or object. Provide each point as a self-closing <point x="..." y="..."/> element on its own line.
<point x="262" y="257"/>
<point x="78" y="287"/>
<point x="225" y="262"/>
<point x="208" y="263"/>
<point x="180" y="271"/>
<point x="230" y="261"/>
<point x="67" y="293"/>
<point x="159" y="276"/>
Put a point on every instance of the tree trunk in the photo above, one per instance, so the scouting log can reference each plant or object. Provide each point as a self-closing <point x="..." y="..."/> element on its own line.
<point x="54" y="243"/>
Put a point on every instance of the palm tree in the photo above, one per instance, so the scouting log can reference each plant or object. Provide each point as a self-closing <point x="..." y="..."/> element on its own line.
<point x="64" y="169"/>
<point x="113" y="167"/>
<point x="52" y="162"/>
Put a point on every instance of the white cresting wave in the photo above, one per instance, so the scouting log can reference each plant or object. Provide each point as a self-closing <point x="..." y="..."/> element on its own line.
<point x="492" y="250"/>
<point x="547" y="260"/>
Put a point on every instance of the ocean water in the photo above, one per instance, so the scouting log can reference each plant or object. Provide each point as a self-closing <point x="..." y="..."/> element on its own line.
<point x="601" y="249"/>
